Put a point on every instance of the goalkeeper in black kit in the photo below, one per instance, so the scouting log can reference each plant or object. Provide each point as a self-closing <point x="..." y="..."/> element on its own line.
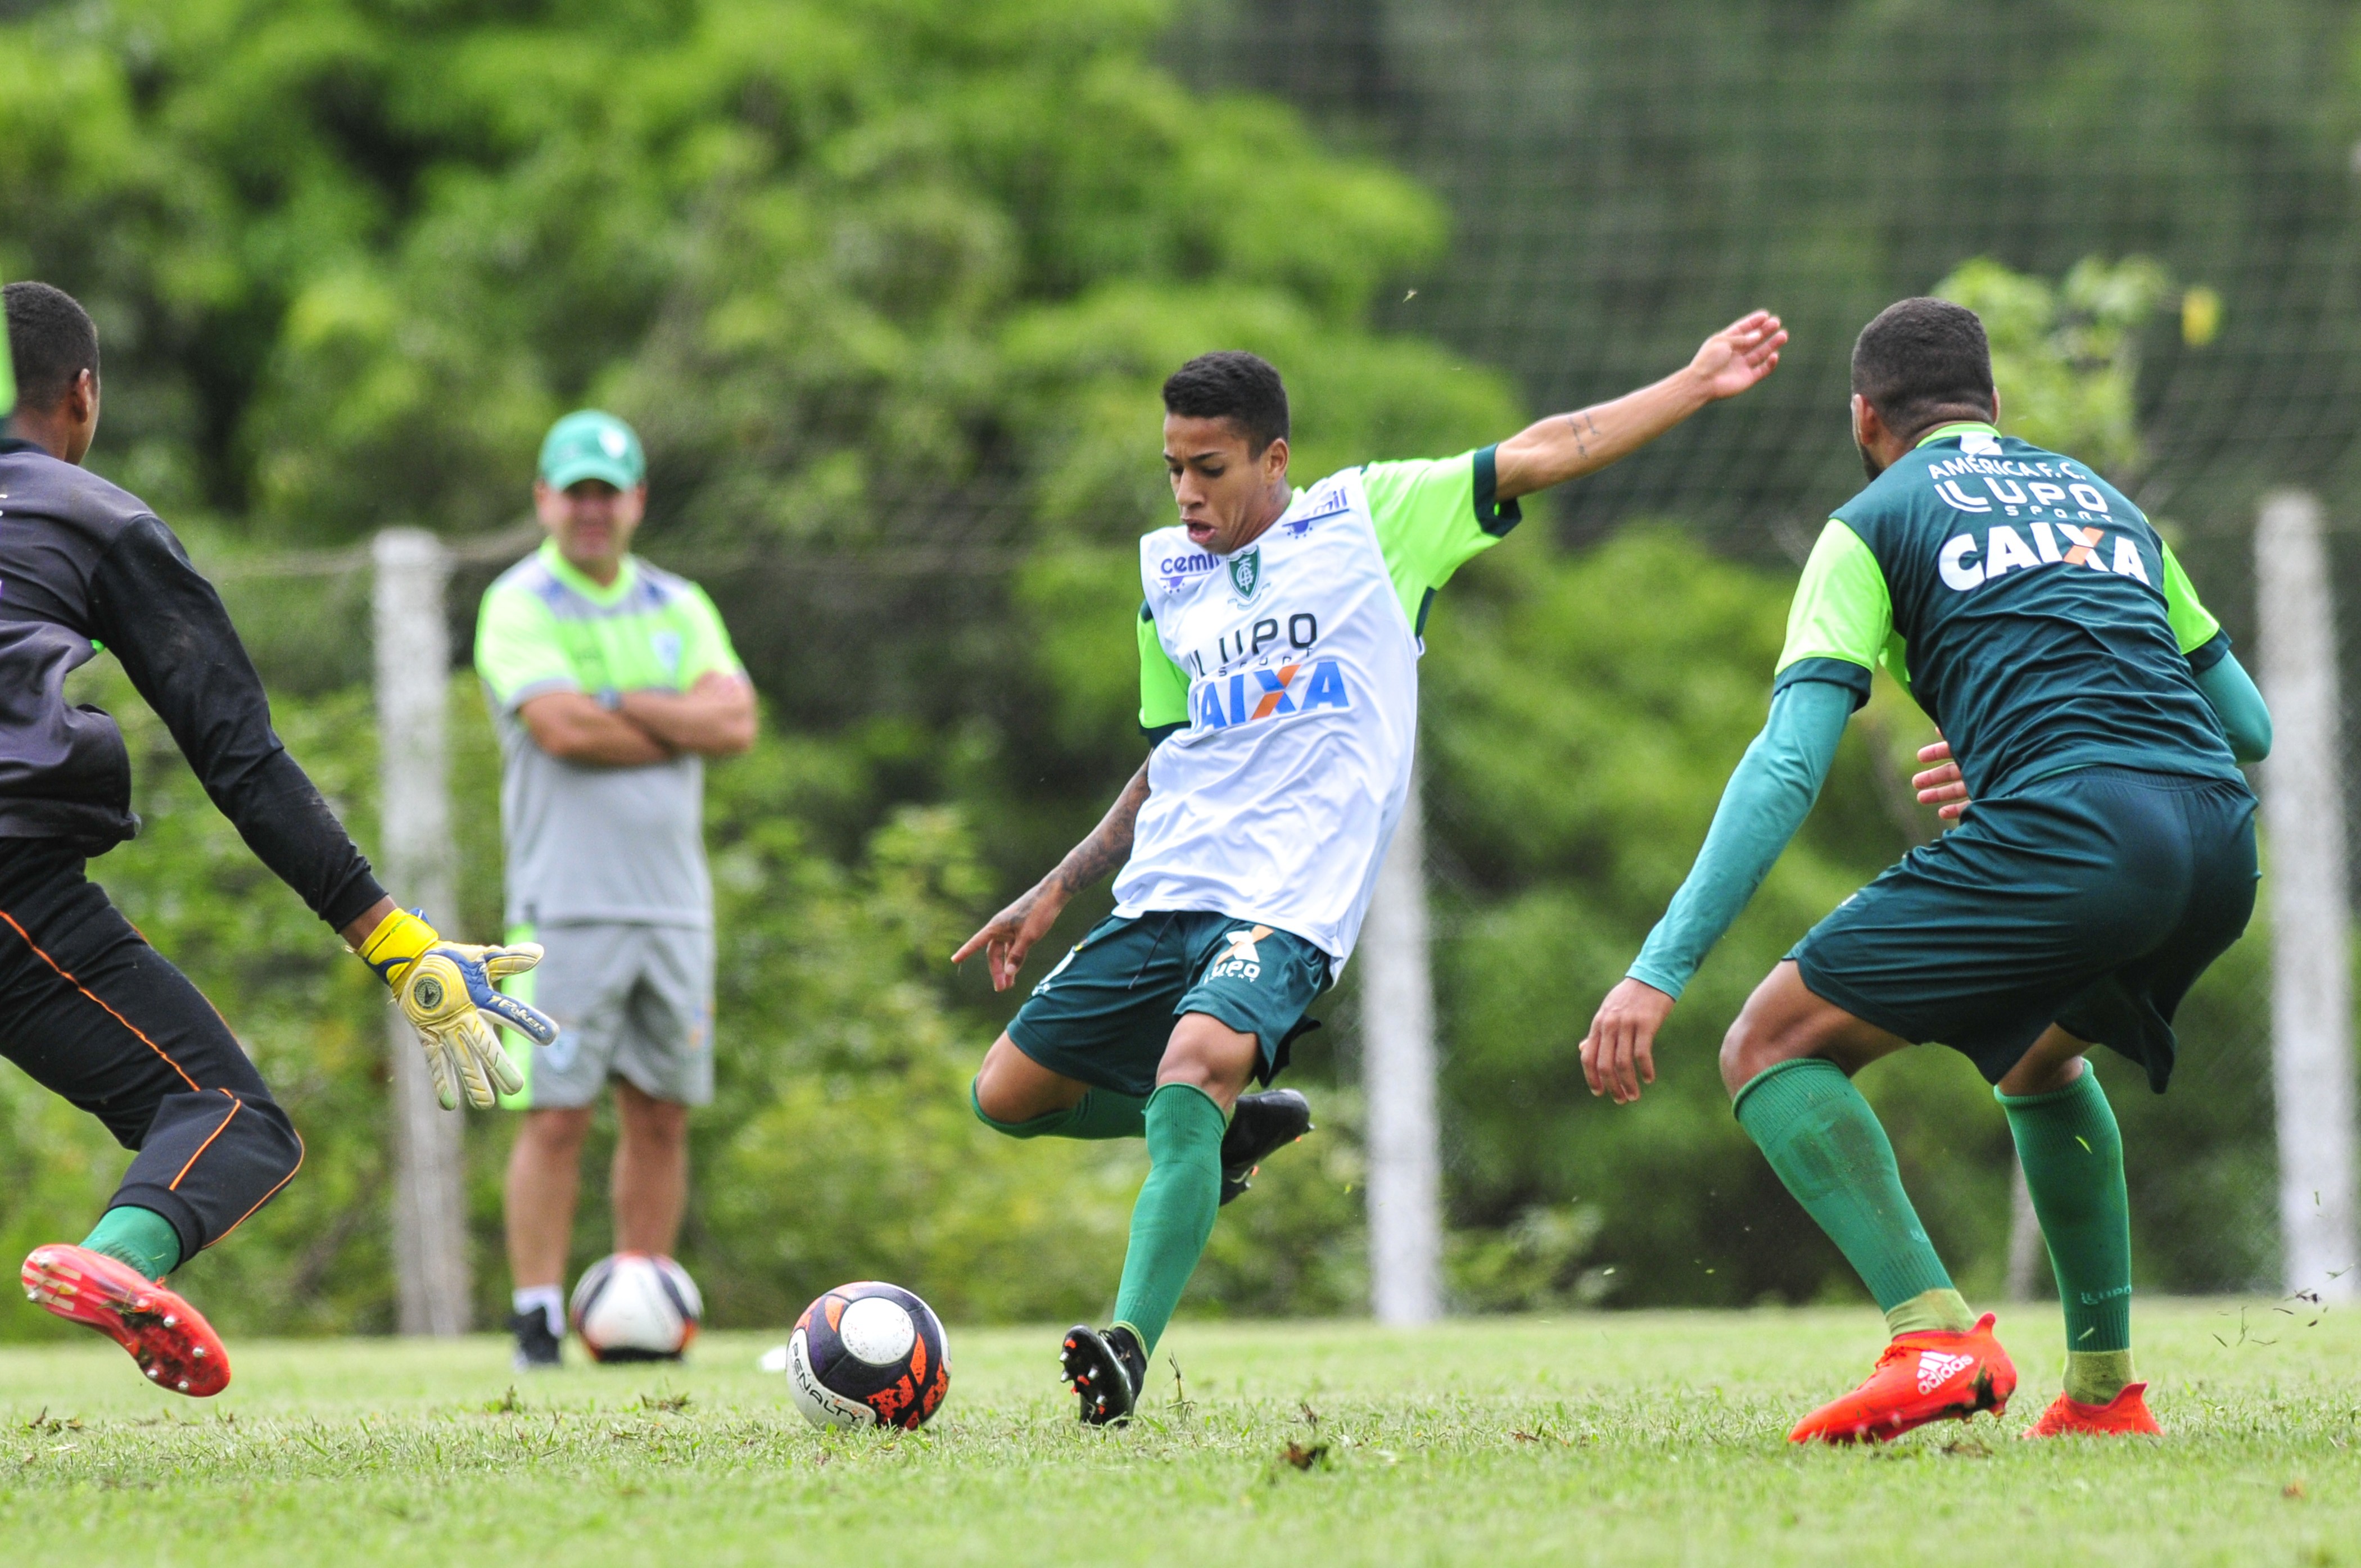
<point x="87" y="1008"/>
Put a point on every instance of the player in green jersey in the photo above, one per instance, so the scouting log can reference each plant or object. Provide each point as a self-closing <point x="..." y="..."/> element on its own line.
<point x="2093" y="722"/>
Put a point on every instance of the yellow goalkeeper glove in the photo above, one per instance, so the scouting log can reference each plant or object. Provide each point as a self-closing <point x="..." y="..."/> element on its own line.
<point x="445" y="989"/>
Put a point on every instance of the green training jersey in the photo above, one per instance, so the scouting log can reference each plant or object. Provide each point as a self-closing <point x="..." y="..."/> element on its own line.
<point x="2027" y="604"/>
<point x="588" y="842"/>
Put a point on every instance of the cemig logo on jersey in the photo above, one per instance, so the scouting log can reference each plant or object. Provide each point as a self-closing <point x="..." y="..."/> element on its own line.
<point x="1328" y="502"/>
<point x="2003" y="549"/>
<point x="1250" y="694"/>
<point x="1176" y="570"/>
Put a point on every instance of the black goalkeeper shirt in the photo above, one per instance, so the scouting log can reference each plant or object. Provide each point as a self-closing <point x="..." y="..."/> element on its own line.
<point x="84" y="563"/>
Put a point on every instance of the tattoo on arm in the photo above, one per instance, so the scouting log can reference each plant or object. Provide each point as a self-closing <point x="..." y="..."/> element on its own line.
<point x="1584" y="427"/>
<point x="1109" y="844"/>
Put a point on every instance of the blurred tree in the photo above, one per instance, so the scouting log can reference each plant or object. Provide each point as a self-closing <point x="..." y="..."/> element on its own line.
<point x="888" y="287"/>
<point x="2065" y="356"/>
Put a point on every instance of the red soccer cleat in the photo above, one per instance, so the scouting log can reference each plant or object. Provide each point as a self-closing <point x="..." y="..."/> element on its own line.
<point x="2123" y="1416"/>
<point x="170" y="1339"/>
<point x="1932" y="1376"/>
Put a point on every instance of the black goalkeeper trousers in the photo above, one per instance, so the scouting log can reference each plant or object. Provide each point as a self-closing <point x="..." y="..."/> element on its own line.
<point x="89" y="1010"/>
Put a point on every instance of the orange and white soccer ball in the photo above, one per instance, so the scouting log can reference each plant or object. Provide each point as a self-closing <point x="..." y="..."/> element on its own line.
<point x="636" y="1306"/>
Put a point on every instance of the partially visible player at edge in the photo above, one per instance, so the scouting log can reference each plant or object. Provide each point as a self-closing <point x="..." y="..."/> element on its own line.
<point x="2092" y="709"/>
<point x="92" y="1012"/>
<point x="1279" y="645"/>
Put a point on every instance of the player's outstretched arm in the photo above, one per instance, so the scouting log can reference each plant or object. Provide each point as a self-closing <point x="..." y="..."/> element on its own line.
<point x="1567" y="447"/>
<point x="1766" y="800"/>
<point x="1008" y="936"/>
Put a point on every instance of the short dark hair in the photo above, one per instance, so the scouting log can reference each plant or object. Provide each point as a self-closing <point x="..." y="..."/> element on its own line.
<point x="51" y="340"/>
<point x="1922" y="362"/>
<point x="1233" y="385"/>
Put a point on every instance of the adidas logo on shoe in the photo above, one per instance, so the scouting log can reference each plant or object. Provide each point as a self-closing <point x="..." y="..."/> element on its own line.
<point x="1934" y="1369"/>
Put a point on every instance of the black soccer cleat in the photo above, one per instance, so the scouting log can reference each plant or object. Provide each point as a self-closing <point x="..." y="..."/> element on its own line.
<point x="537" y="1349"/>
<point x="1260" y="1126"/>
<point x="1106" y="1369"/>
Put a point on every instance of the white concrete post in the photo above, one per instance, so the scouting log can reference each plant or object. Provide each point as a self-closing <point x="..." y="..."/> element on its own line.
<point x="2303" y="819"/>
<point x="1405" y="1178"/>
<point x="414" y="667"/>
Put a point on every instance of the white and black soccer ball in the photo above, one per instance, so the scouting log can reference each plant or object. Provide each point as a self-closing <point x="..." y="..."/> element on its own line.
<point x="868" y="1354"/>
<point x="636" y="1306"/>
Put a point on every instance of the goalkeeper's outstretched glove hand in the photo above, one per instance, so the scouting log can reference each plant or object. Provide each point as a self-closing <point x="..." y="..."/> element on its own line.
<point x="444" y="989"/>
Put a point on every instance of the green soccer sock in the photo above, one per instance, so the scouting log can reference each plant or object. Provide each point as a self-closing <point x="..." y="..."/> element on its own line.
<point x="140" y="1237"/>
<point x="1174" y="1216"/>
<point x="1099" y="1113"/>
<point x="2073" y="1158"/>
<point x="1826" y="1144"/>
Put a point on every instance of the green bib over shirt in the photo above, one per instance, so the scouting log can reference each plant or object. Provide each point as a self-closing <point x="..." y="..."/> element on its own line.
<point x="588" y="842"/>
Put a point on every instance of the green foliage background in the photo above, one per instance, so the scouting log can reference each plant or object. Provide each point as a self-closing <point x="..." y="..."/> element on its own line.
<point x="888" y="285"/>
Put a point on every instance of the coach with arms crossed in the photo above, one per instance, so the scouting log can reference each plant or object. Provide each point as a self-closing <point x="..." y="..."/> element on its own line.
<point x="610" y="682"/>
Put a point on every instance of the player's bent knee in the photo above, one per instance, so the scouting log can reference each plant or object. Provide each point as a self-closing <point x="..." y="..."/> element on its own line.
<point x="1006" y="1107"/>
<point x="1739" y="1049"/>
<point x="1753" y="1046"/>
<point x="993" y="1110"/>
<point x="269" y="1134"/>
<point x="1206" y="1054"/>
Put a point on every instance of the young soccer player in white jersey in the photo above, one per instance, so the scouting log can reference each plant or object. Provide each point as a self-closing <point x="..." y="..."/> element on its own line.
<point x="1278" y="644"/>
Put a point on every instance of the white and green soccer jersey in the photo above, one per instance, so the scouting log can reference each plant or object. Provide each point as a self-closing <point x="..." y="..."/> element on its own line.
<point x="1281" y="683"/>
<point x="588" y="843"/>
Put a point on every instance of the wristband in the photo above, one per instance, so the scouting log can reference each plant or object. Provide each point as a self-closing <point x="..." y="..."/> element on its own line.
<point x="396" y="943"/>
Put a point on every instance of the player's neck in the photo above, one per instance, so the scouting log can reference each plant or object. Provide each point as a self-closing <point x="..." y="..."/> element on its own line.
<point x="1268" y="508"/>
<point x="53" y="433"/>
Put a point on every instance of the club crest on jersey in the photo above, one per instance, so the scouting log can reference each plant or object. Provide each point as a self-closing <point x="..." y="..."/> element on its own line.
<point x="1246" y="572"/>
<point x="1250" y="694"/>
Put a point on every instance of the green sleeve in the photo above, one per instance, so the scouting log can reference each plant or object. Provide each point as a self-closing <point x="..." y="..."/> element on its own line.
<point x="1163" y="685"/>
<point x="517" y="651"/>
<point x="705" y="642"/>
<point x="2194" y="625"/>
<point x="1433" y="517"/>
<point x="1769" y="795"/>
<point x="1840" y="626"/>
<point x="2230" y="692"/>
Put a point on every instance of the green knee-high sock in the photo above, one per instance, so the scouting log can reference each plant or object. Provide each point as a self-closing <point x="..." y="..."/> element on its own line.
<point x="140" y="1237"/>
<point x="1826" y="1144"/>
<point x="1099" y="1113"/>
<point x="2073" y="1159"/>
<point x="1174" y="1217"/>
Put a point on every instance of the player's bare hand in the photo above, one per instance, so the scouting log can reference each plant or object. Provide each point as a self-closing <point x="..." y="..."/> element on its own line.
<point x="1620" y="1053"/>
<point x="1008" y="936"/>
<point x="1940" y="786"/>
<point x="1740" y="355"/>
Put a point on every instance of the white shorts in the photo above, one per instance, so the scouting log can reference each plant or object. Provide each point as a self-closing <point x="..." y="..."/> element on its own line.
<point x="631" y="1002"/>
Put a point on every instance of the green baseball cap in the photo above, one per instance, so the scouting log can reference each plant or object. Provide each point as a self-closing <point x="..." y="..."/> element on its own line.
<point x="588" y="444"/>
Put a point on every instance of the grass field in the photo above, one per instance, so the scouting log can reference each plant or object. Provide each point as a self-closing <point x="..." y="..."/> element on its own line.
<point x="1623" y="1438"/>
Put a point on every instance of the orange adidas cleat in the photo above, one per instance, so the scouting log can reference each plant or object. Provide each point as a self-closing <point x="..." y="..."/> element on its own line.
<point x="170" y="1339"/>
<point x="2126" y="1415"/>
<point x="1936" y="1376"/>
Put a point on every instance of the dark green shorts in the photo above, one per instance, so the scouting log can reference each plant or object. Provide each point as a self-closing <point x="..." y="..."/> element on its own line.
<point x="1104" y="1014"/>
<point x="2092" y="899"/>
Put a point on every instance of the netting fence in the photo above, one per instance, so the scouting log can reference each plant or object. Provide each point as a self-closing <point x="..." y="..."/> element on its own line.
<point x="1619" y="180"/>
